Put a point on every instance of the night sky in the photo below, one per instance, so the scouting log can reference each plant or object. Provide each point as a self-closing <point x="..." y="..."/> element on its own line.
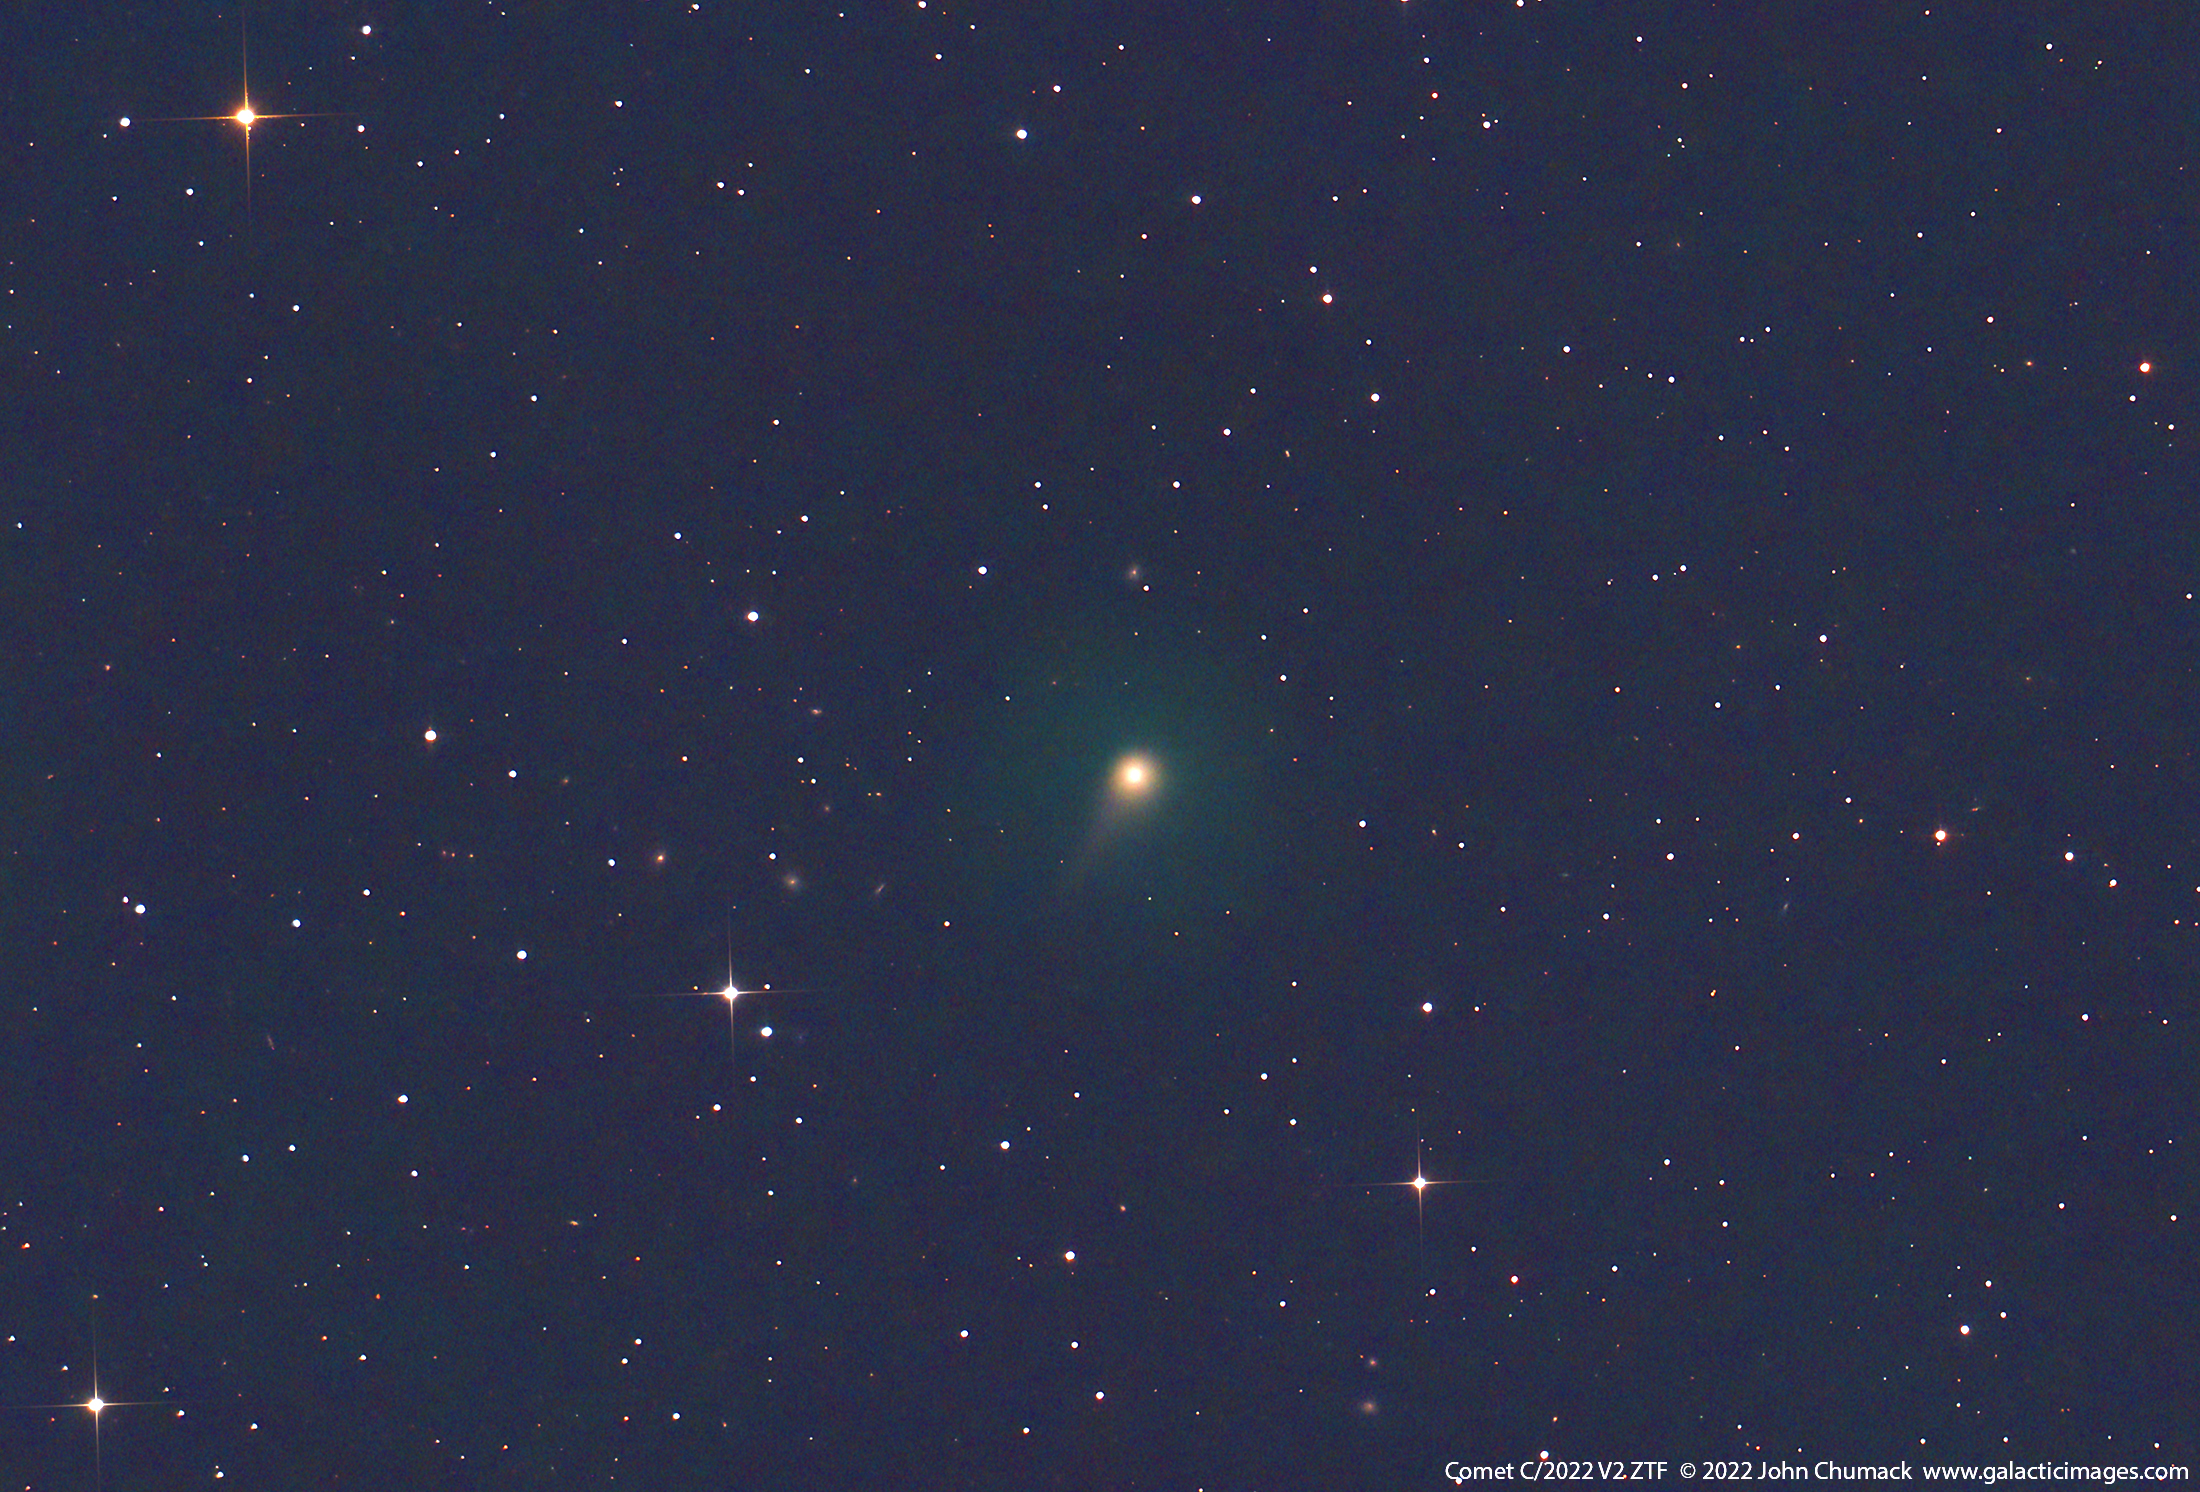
<point x="1204" y="610"/>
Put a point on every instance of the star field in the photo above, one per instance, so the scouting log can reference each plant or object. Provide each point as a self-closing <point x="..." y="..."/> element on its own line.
<point x="1162" y="607"/>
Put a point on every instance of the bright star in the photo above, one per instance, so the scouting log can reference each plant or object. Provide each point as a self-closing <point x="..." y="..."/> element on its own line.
<point x="1420" y="1183"/>
<point x="96" y="1405"/>
<point x="732" y="994"/>
<point x="245" y="115"/>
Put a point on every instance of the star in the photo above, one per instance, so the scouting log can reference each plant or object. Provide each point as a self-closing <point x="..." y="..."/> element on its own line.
<point x="244" y="115"/>
<point x="96" y="1405"/>
<point x="732" y="994"/>
<point x="1420" y="1183"/>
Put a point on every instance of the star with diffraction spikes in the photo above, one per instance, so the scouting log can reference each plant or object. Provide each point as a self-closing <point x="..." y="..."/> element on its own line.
<point x="244" y="115"/>
<point x="1420" y="1183"/>
<point x="97" y="1406"/>
<point x="732" y="994"/>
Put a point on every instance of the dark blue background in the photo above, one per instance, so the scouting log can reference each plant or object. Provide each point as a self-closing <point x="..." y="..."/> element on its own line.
<point x="1763" y="480"/>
